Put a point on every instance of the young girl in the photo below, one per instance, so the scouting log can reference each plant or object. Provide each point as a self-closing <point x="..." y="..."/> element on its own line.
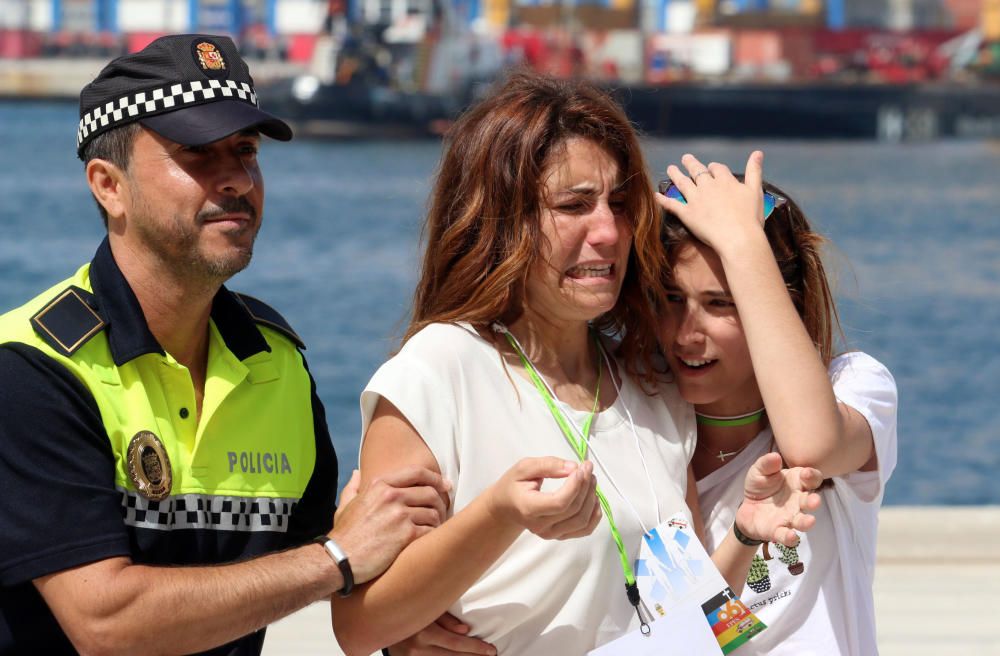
<point x="748" y="334"/>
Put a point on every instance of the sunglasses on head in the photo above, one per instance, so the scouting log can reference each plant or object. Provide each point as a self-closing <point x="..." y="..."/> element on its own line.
<point x="771" y="201"/>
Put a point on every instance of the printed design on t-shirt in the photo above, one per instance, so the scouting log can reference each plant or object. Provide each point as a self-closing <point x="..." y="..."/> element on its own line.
<point x="790" y="557"/>
<point x="759" y="577"/>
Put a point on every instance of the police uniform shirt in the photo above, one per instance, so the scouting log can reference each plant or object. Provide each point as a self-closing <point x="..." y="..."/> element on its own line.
<point x="92" y="410"/>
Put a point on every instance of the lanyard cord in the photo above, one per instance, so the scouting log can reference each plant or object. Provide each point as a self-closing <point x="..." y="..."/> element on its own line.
<point x="638" y="448"/>
<point x="548" y="395"/>
<point x="580" y="446"/>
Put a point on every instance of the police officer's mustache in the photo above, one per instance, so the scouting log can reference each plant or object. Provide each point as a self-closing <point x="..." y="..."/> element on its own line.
<point x="228" y="206"/>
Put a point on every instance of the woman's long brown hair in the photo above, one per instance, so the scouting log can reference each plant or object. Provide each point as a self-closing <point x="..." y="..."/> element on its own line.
<point x="797" y="249"/>
<point x="483" y="231"/>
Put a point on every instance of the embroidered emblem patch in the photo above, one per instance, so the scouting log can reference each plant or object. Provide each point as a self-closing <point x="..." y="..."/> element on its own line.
<point x="209" y="57"/>
<point x="149" y="466"/>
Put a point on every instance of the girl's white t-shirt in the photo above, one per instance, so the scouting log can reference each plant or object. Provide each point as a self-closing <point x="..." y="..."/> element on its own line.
<point x="479" y="417"/>
<point x="816" y="599"/>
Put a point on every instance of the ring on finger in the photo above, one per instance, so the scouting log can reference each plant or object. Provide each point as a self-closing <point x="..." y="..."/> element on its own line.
<point x="700" y="173"/>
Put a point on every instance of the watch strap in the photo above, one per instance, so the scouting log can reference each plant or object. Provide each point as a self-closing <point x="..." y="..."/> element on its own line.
<point x="742" y="537"/>
<point x="343" y="564"/>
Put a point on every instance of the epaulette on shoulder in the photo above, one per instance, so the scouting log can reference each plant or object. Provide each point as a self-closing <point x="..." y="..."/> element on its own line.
<point x="266" y="315"/>
<point x="68" y="321"/>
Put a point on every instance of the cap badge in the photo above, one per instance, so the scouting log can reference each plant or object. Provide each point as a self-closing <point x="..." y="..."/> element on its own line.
<point x="209" y="57"/>
<point x="149" y="466"/>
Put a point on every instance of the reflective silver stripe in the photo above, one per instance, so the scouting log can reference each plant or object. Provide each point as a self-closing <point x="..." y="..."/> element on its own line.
<point x="207" y="511"/>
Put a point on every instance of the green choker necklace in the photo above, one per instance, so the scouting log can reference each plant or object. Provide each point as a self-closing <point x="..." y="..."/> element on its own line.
<point x="740" y="420"/>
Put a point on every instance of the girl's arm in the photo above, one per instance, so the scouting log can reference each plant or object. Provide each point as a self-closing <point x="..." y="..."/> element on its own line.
<point x="436" y="569"/>
<point x="810" y="426"/>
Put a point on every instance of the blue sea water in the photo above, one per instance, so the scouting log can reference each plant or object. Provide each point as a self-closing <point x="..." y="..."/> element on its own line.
<point x="917" y="260"/>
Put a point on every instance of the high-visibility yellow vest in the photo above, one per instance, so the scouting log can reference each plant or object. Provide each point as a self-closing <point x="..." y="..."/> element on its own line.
<point x="241" y="466"/>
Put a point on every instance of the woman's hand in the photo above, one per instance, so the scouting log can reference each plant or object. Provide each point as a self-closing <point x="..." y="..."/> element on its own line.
<point x="348" y="493"/>
<point x="446" y="636"/>
<point x="572" y="511"/>
<point x="720" y="208"/>
<point x="777" y="501"/>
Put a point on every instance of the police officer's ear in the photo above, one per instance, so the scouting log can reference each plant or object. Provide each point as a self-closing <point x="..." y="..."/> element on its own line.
<point x="109" y="185"/>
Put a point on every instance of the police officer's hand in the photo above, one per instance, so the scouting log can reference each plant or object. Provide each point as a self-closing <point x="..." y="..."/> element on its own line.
<point x="571" y="511"/>
<point x="386" y="515"/>
<point x="446" y="636"/>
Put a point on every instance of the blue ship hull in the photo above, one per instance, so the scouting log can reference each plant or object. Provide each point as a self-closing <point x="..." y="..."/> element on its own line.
<point x="731" y="110"/>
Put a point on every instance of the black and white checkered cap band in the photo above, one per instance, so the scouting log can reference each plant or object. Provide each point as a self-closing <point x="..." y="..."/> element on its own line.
<point x="135" y="106"/>
<point x="206" y="511"/>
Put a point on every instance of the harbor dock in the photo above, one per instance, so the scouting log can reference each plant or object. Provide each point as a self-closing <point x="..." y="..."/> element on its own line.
<point x="938" y="569"/>
<point x="62" y="78"/>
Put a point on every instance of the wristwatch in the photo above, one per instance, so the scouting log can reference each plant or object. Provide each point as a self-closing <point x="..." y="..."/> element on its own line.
<point x="339" y="557"/>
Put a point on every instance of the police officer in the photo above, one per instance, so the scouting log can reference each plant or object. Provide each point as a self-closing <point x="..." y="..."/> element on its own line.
<point x="151" y="417"/>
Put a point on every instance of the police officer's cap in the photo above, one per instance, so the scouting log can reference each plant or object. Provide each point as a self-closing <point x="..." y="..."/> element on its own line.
<point x="190" y="88"/>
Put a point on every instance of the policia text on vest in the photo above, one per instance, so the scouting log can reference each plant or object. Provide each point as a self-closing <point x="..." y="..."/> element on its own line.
<point x="253" y="462"/>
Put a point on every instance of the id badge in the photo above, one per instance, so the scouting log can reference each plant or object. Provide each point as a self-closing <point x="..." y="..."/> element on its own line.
<point x="690" y="607"/>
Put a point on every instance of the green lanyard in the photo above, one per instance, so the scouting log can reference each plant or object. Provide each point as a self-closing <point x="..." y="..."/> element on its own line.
<point x="579" y="445"/>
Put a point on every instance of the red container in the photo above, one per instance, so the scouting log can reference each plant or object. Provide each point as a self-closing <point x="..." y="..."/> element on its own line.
<point x="965" y="14"/>
<point x="300" y="47"/>
<point x="19" y="44"/>
<point x="756" y="47"/>
<point x="136" y="41"/>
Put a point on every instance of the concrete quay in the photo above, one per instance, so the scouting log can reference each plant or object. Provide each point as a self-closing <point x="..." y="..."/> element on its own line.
<point x="938" y="571"/>
<point x="62" y="78"/>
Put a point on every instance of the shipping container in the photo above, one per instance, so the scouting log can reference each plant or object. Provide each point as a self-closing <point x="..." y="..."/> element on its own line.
<point x="963" y="14"/>
<point x="672" y="57"/>
<point x="614" y="55"/>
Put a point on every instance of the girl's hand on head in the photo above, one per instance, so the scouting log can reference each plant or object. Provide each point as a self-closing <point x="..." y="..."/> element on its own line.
<point x="572" y="511"/>
<point x="777" y="501"/>
<point x="719" y="208"/>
